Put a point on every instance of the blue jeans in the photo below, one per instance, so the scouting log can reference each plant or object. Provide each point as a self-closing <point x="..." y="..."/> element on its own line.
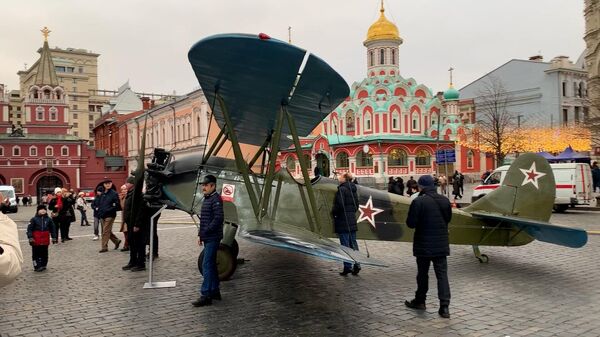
<point x="348" y="240"/>
<point x="210" y="284"/>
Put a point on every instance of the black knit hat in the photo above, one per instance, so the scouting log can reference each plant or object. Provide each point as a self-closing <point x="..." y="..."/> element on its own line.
<point x="41" y="207"/>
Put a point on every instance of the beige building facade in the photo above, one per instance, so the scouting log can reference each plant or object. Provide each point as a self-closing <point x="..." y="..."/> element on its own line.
<point x="592" y="61"/>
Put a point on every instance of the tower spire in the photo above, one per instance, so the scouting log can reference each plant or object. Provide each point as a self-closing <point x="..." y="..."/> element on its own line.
<point x="450" y="70"/>
<point x="382" y="9"/>
<point x="46" y="74"/>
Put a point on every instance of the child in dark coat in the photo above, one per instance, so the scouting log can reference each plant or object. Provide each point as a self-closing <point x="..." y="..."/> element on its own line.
<point x="39" y="231"/>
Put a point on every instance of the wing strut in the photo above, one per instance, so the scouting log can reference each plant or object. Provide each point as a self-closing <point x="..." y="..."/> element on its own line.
<point x="303" y="167"/>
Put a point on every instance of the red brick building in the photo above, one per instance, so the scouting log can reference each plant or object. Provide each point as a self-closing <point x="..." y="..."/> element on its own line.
<point x="41" y="154"/>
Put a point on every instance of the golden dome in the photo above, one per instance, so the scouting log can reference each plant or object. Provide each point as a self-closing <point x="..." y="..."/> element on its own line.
<point x="383" y="29"/>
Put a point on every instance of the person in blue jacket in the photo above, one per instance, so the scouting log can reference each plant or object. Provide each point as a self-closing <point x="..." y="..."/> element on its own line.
<point x="210" y="234"/>
<point x="39" y="231"/>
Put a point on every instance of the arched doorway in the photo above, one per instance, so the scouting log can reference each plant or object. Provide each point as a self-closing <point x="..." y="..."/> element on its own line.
<point x="323" y="164"/>
<point x="47" y="184"/>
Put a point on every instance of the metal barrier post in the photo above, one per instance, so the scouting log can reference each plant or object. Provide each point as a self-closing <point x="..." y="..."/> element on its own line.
<point x="150" y="284"/>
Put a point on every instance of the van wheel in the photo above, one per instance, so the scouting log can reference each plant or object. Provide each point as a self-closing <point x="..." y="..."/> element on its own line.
<point x="560" y="208"/>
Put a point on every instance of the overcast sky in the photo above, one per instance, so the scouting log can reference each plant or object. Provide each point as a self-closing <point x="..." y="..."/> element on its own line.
<point x="147" y="41"/>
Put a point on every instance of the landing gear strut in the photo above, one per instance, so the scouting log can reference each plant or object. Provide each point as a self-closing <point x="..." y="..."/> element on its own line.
<point x="481" y="257"/>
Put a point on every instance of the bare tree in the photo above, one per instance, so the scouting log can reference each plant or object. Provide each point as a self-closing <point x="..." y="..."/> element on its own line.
<point x="495" y="122"/>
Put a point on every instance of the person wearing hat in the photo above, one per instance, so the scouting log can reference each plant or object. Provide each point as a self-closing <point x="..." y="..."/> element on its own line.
<point x="108" y="205"/>
<point x="429" y="214"/>
<point x="210" y="234"/>
<point x="82" y="208"/>
<point x="62" y="212"/>
<point x="39" y="231"/>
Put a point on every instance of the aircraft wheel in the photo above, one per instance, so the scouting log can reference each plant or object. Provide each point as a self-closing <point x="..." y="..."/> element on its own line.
<point x="226" y="262"/>
<point x="483" y="258"/>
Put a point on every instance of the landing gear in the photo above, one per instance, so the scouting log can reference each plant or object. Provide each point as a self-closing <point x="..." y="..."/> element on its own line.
<point x="226" y="260"/>
<point x="481" y="257"/>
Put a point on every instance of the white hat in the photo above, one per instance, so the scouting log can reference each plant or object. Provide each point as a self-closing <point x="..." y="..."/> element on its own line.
<point x="58" y="189"/>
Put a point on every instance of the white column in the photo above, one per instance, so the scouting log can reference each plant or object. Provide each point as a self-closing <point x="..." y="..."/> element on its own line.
<point x="78" y="177"/>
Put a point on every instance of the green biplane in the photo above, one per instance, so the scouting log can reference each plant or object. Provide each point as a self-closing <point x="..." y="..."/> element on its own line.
<point x="267" y="93"/>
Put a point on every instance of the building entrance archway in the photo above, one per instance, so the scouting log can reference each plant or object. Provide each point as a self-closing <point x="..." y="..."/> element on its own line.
<point x="323" y="164"/>
<point x="47" y="184"/>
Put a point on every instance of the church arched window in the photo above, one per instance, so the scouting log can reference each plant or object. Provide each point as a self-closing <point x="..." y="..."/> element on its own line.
<point x="415" y="122"/>
<point x="423" y="158"/>
<point x="371" y="58"/>
<point x="397" y="157"/>
<point x="470" y="159"/>
<point x="364" y="159"/>
<point x="341" y="160"/>
<point x="395" y="120"/>
<point x="382" y="56"/>
<point x="367" y="121"/>
<point x="393" y="56"/>
<point x="349" y="121"/>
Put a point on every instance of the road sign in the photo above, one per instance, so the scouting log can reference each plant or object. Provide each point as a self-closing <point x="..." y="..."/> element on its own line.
<point x="445" y="156"/>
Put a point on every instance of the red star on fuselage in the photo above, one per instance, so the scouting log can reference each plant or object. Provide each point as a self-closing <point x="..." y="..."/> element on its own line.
<point x="368" y="212"/>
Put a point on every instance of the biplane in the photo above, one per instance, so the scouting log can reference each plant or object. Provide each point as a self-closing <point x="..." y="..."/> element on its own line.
<point x="267" y="205"/>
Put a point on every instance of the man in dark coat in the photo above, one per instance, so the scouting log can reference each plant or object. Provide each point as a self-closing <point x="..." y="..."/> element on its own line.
<point x="400" y="185"/>
<point x="136" y="231"/>
<point x="344" y="210"/>
<point x="411" y="186"/>
<point x="108" y="205"/>
<point x="596" y="176"/>
<point x="429" y="214"/>
<point x="210" y="234"/>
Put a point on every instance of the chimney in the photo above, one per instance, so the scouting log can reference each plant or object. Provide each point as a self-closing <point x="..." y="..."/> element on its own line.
<point x="536" y="58"/>
<point x="146" y="103"/>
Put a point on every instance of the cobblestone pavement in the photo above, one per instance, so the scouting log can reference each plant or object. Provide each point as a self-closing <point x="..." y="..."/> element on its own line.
<point x="535" y="290"/>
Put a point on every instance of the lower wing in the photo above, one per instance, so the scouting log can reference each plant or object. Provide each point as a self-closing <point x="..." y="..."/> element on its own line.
<point x="304" y="241"/>
<point x="542" y="231"/>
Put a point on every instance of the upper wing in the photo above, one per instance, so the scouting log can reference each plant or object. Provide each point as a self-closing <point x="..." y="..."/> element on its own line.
<point x="305" y="241"/>
<point x="255" y="77"/>
<point x="543" y="231"/>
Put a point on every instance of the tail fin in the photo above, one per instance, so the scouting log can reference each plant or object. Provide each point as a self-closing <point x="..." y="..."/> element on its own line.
<point x="528" y="191"/>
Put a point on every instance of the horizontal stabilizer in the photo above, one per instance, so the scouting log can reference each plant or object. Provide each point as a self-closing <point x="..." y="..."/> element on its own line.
<point x="308" y="243"/>
<point x="542" y="231"/>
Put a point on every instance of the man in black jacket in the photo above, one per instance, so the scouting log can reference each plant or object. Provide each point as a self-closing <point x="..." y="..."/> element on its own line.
<point x="344" y="210"/>
<point x="136" y="234"/>
<point x="429" y="214"/>
<point x="210" y="234"/>
<point x="107" y="208"/>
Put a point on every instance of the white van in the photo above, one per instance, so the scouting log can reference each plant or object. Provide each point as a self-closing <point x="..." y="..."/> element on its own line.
<point x="573" y="184"/>
<point x="9" y="192"/>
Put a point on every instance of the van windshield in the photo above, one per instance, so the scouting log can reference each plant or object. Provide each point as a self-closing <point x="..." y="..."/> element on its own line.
<point x="494" y="178"/>
<point x="8" y="193"/>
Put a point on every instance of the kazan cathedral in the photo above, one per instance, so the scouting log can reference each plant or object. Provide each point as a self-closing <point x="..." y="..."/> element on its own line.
<point x="388" y="126"/>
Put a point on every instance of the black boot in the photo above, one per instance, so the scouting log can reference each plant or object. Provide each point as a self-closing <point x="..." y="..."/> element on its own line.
<point x="346" y="272"/>
<point x="127" y="266"/>
<point x="414" y="304"/>
<point x="356" y="269"/>
<point x="202" y="301"/>
<point x="444" y="312"/>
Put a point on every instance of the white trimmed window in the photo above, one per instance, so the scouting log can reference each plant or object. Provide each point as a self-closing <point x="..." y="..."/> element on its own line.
<point x="53" y="114"/>
<point x="39" y="113"/>
<point x="395" y="120"/>
<point x="49" y="151"/>
<point x="64" y="151"/>
<point x="33" y="151"/>
<point x="1" y="151"/>
<point x="415" y="121"/>
<point x="16" y="150"/>
<point x="367" y="121"/>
